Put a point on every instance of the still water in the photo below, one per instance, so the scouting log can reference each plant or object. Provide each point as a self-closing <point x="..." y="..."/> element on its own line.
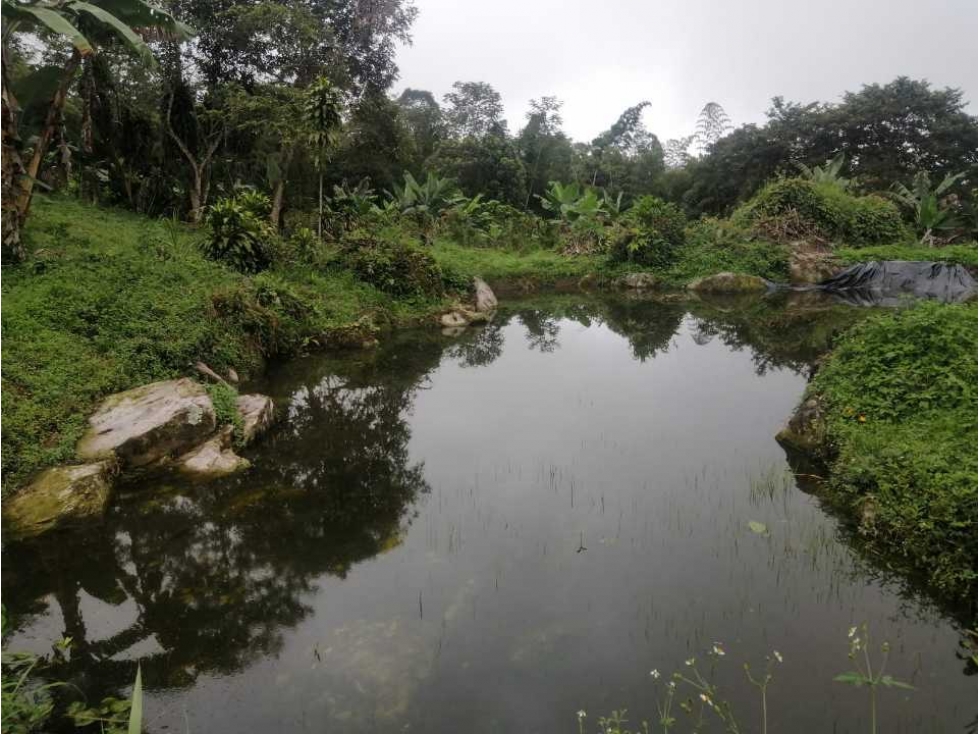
<point x="491" y="531"/>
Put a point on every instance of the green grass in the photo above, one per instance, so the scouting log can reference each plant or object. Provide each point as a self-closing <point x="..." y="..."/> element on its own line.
<point x="110" y="300"/>
<point x="900" y="398"/>
<point x="540" y="266"/>
<point x="962" y="254"/>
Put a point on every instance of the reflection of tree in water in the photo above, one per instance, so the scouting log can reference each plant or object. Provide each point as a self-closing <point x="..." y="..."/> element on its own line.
<point x="789" y="331"/>
<point x="480" y="346"/>
<point x="648" y="325"/>
<point x="542" y="330"/>
<point x="203" y="579"/>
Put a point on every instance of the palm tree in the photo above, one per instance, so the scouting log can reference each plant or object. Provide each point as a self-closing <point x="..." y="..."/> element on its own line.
<point x="323" y="107"/>
<point x="87" y="25"/>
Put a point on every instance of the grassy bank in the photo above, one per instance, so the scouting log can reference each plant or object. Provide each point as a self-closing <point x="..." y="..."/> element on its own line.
<point x="899" y="394"/>
<point x="961" y="254"/>
<point x="111" y="300"/>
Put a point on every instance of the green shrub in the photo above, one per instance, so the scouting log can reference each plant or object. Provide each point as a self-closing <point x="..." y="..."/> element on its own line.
<point x="255" y="203"/>
<point x="793" y="208"/>
<point x="899" y="393"/>
<point x="237" y="236"/>
<point x="224" y="398"/>
<point x="650" y="233"/>
<point x="718" y="246"/>
<point x="491" y="223"/>
<point x="392" y="265"/>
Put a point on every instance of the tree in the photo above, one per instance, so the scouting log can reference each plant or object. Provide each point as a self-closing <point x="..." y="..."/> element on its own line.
<point x="712" y="124"/>
<point x="423" y="117"/>
<point x="625" y="158"/>
<point x="546" y="151"/>
<point x="489" y="165"/>
<point x="676" y="154"/>
<point x="87" y="26"/>
<point x="322" y="114"/>
<point x="377" y="144"/>
<point x="473" y="109"/>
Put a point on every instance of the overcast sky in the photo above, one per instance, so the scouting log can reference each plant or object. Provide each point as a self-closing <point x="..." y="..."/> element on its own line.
<point x="601" y="56"/>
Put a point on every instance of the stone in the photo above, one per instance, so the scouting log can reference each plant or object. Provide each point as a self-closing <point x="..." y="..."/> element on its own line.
<point x="453" y="319"/>
<point x="485" y="298"/>
<point x="149" y="424"/>
<point x="59" y="497"/>
<point x="806" y="430"/>
<point x="257" y="414"/>
<point x="811" y="261"/>
<point x="729" y="283"/>
<point x="638" y="281"/>
<point x="213" y="458"/>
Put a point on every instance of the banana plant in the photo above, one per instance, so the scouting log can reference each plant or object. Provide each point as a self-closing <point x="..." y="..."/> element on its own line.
<point x="87" y="26"/>
<point x="568" y="203"/>
<point x="829" y="173"/>
<point x="926" y="205"/>
<point x="424" y="201"/>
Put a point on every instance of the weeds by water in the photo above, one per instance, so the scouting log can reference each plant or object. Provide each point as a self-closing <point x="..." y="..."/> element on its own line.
<point x="693" y="692"/>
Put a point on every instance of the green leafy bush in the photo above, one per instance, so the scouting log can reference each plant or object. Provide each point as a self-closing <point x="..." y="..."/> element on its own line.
<point x="793" y="208"/>
<point x="718" y="246"/>
<point x="237" y="236"/>
<point x="392" y="265"/>
<point x="650" y="233"/>
<point x="899" y="394"/>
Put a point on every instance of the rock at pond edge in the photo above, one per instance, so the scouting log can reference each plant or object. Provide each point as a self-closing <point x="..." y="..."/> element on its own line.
<point x="485" y="298"/>
<point x="257" y="415"/>
<point x="213" y="458"/>
<point x="147" y="424"/>
<point x="61" y="496"/>
<point x="728" y="283"/>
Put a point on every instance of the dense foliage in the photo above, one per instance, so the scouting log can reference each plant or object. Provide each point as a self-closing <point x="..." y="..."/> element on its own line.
<point x="900" y="401"/>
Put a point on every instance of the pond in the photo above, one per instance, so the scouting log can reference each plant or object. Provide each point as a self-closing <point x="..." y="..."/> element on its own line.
<point x="492" y="530"/>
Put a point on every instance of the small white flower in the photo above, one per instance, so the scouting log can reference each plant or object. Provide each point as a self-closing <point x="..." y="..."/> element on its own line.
<point x="582" y="714"/>
<point x="852" y="632"/>
<point x="672" y="685"/>
<point x="778" y="655"/>
<point x="706" y="699"/>
<point x="689" y="663"/>
<point x="654" y="673"/>
<point x="717" y="649"/>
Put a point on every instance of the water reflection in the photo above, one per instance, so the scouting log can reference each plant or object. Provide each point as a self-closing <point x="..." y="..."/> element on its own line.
<point x="546" y="502"/>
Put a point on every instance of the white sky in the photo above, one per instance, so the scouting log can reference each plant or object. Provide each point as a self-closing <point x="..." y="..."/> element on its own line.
<point x="601" y="56"/>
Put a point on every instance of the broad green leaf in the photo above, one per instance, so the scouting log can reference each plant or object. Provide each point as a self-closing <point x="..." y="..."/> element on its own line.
<point x="55" y="22"/>
<point x="136" y="710"/>
<point x="123" y="30"/>
<point x="758" y="527"/>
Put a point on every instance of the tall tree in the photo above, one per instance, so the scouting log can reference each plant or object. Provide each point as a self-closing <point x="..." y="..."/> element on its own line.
<point x="712" y="124"/>
<point x="473" y="109"/>
<point x="423" y="117"/>
<point x="546" y="151"/>
<point x="322" y="114"/>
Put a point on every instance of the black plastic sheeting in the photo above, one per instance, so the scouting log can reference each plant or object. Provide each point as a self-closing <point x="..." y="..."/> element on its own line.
<point x="891" y="282"/>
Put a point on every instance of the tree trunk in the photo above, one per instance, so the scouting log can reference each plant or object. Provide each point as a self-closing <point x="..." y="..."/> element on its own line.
<point x="319" y="222"/>
<point x="25" y="190"/>
<point x="13" y="169"/>
<point x="279" y="190"/>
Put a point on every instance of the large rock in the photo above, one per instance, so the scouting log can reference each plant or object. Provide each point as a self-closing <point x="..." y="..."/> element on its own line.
<point x="145" y="425"/>
<point x="729" y="283"/>
<point x="59" y="497"/>
<point x="213" y="458"/>
<point x="638" y="281"/>
<point x="257" y="414"/>
<point x="805" y="432"/>
<point x="811" y="262"/>
<point x="485" y="298"/>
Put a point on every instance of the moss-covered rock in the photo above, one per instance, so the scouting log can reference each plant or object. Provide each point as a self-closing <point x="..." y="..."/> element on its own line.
<point x="59" y="497"/>
<point x="729" y="283"/>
